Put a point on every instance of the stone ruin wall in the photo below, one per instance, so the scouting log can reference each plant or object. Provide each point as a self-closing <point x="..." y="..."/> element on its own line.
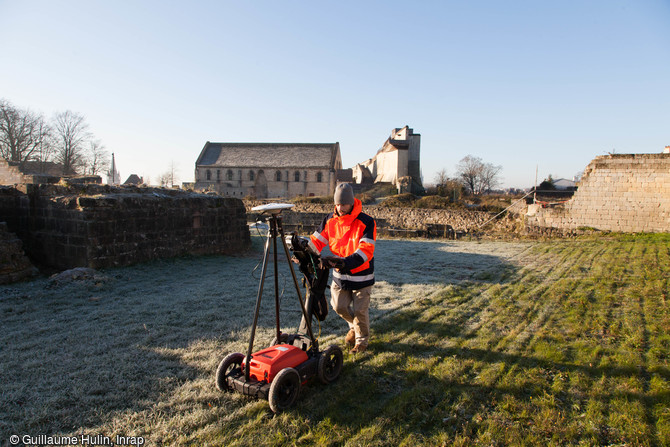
<point x="624" y="193"/>
<point x="10" y="175"/>
<point x="14" y="265"/>
<point x="305" y="218"/>
<point x="100" y="226"/>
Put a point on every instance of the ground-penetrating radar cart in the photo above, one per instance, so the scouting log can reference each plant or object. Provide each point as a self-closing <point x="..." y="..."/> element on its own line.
<point x="278" y="372"/>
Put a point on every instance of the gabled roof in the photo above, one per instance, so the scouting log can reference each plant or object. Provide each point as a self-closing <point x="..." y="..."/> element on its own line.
<point x="133" y="179"/>
<point x="562" y="183"/>
<point x="270" y="155"/>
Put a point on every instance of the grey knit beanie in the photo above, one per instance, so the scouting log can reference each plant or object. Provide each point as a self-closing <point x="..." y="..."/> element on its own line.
<point x="344" y="194"/>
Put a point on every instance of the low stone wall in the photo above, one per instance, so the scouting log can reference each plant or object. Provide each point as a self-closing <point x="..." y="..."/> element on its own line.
<point x="305" y="218"/>
<point x="10" y="174"/>
<point x="14" y="265"/>
<point x="626" y="193"/>
<point x="101" y="226"/>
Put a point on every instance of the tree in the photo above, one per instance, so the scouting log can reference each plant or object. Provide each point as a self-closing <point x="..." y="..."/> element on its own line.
<point x="169" y="177"/>
<point x="490" y="176"/>
<point x="477" y="176"/>
<point x="24" y="136"/>
<point x="547" y="184"/>
<point x="97" y="158"/>
<point x="441" y="177"/>
<point x="447" y="187"/>
<point x="71" y="135"/>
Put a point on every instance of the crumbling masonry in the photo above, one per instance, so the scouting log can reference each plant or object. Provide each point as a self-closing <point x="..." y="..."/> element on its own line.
<point x="627" y="193"/>
<point x="100" y="226"/>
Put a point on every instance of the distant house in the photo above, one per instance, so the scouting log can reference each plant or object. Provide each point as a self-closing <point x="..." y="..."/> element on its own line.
<point x="268" y="170"/>
<point x="134" y="179"/>
<point x="565" y="184"/>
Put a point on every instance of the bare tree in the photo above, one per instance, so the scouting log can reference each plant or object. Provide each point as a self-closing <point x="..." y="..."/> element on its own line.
<point x="446" y="186"/>
<point x="164" y="179"/>
<point x="169" y="177"/>
<point x="71" y="135"/>
<point x="97" y="158"/>
<point x="441" y="177"/>
<point x="24" y="136"/>
<point x="477" y="176"/>
<point x="491" y="176"/>
<point x="46" y="147"/>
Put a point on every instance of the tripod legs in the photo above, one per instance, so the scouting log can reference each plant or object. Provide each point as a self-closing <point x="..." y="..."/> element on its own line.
<point x="261" y="283"/>
<point x="276" y="230"/>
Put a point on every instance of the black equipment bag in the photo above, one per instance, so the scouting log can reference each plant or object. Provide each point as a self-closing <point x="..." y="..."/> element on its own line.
<point x="315" y="279"/>
<point x="316" y="294"/>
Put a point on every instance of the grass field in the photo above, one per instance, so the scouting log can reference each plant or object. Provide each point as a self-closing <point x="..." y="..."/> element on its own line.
<point x="564" y="342"/>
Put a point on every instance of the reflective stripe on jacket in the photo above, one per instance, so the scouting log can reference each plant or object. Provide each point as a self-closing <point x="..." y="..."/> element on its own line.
<point x="351" y="237"/>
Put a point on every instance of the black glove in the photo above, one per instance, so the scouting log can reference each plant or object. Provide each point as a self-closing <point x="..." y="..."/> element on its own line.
<point x="331" y="262"/>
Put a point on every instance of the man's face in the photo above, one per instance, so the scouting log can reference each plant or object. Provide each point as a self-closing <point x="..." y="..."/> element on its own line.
<point x="343" y="209"/>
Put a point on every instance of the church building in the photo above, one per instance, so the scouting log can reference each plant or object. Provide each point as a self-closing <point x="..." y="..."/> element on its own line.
<point x="268" y="170"/>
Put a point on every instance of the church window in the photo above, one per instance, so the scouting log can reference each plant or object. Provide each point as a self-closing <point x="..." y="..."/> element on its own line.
<point x="251" y="175"/>
<point x="209" y="174"/>
<point x="319" y="177"/>
<point x="218" y="174"/>
<point x="229" y="174"/>
<point x="278" y="176"/>
<point x="297" y="176"/>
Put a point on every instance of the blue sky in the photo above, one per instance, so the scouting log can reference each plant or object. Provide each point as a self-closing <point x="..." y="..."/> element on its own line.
<point x="517" y="83"/>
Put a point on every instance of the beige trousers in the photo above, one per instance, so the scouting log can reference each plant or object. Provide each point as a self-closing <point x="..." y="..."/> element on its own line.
<point x="353" y="305"/>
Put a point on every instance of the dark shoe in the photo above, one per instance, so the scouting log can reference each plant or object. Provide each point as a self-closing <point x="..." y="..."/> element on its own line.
<point x="350" y="338"/>
<point x="358" y="349"/>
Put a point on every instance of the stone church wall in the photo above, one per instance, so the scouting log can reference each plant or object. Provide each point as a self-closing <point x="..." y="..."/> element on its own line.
<point x="264" y="184"/>
<point x="101" y="226"/>
<point x="389" y="165"/>
<point x="626" y="193"/>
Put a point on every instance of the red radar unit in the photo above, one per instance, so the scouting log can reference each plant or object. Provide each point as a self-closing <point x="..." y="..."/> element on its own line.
<point x="277" y="373"/>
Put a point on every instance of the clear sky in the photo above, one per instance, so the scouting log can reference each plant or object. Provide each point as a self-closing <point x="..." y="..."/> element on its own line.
<point x="520" y="84"/>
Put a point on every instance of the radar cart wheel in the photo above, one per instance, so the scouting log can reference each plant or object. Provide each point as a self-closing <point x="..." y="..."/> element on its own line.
<point x="330" y="364"/>
<point x="284" y="389"/>
<point x="229" y="365"/>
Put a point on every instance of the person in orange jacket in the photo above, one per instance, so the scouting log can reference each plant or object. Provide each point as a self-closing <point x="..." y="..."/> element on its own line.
<point x="350" y="235"/>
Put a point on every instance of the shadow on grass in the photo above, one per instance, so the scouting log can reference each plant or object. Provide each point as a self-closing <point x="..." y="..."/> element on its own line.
<point x="426" y="262"/>
<point x="420" y="388"/>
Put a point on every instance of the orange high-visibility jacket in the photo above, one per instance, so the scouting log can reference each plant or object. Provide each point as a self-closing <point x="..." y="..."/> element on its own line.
<point x="351" y="237"/>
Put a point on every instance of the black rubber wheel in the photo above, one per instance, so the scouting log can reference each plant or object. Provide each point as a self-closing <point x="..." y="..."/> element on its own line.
<point x="228" y="365"/>
<point x="330" y="364"/>
<point x="284" y="389"/>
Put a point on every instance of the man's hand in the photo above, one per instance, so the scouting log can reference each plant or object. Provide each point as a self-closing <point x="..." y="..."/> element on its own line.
<point x="331" y="262"/>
